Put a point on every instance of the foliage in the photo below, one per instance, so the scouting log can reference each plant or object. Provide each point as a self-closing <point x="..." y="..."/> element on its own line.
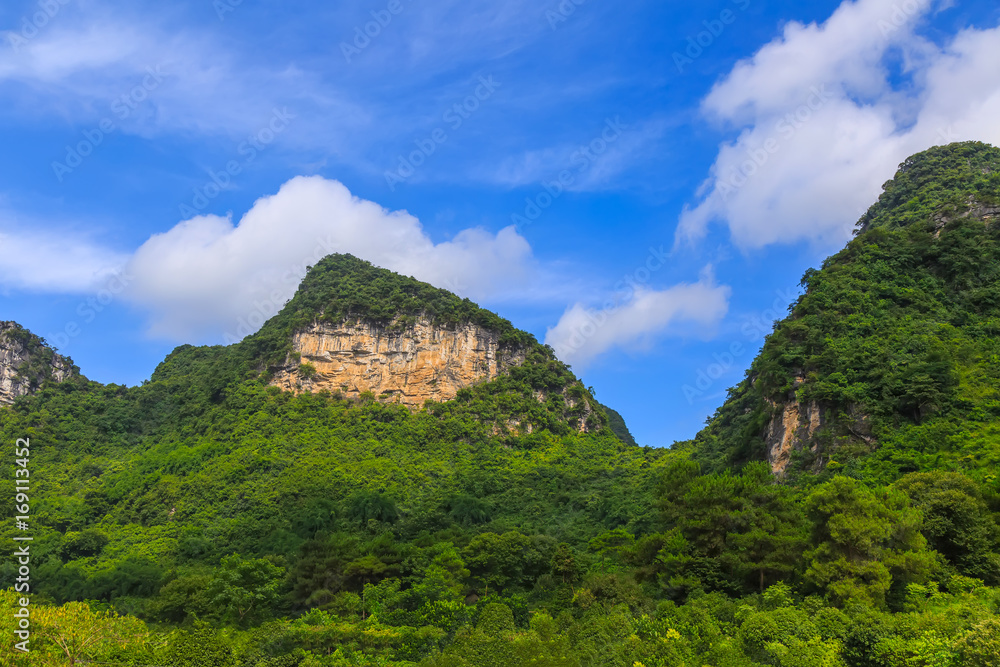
<point x="895" y="338"/>
<point x="208" y="519"/>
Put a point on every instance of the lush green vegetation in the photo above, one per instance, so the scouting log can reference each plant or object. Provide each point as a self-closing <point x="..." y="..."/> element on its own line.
<point x="896" y="338"/>
<point x="937" y="185"/>
<point x="207" y="519"/>
<point x="725" y="570"/>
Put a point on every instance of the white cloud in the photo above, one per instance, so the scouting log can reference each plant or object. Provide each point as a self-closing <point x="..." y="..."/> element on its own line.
<point x="55" y="262"/>
<point x="147" y="79"/>
<point x="825" y="120"/>
<point x="584" y="333"/>
<point x="207" y="277"/>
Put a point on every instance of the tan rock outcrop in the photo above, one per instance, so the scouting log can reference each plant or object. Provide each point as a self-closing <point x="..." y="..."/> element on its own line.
<point x="794" y="427"/>
<point x="791" y="429"/>
<point x="404" y="364"/>
<point x="15" y="352"/>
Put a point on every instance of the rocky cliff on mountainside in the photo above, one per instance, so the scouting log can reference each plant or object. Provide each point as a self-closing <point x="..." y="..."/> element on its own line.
<point x="360" y="332"/>
<point x="806" y="426"/>
<point x="26" y="363"/>
<point x="409" y="364"/>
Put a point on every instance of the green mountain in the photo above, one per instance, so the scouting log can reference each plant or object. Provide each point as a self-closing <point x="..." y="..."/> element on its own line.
<point x="887" y="364"/>
<point x="386" y="474"/>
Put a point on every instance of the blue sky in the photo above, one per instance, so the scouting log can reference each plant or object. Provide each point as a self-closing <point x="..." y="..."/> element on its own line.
<point x="641" y="186"/>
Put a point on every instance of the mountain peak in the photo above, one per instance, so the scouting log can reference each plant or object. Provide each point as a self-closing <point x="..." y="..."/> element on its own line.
<point x="27" y="362"/>
<point x="360" y="332"/>
<point x="939" y="184"/>
<point x="342" y="288"/>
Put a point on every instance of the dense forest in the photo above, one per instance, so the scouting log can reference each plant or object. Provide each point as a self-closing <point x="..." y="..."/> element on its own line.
<point x="206" y="518"/>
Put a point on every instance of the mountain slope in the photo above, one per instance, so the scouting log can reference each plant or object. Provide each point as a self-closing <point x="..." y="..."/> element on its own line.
<point x="888" y="362"/>
<point x="151" y="484"/>
<point x="333" y="525"/>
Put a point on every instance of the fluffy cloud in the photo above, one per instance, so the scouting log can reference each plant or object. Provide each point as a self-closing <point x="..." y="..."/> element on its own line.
<point x="826" y="113"/>
<point x="210" y="279"/>
<point x="64" y="262"/>
<point x="583" y="333"/>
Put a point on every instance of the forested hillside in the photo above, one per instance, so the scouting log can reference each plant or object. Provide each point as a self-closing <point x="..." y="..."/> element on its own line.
<point x="894" y="345"/>
<point x="207" y="518"/>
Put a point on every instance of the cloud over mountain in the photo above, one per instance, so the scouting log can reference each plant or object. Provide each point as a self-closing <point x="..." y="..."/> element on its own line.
<point x="826" y="112"/>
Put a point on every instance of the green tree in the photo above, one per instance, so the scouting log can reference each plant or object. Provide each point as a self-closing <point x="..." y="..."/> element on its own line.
<point x="980" y="646"/>
<point x="507" y="560"/>
<point x="76" y="633"/>
<point x="611" y="542"/>
<point x="243" y="590"/>
<point x="956" y="522"/>
<point x="863" y="539"/>
<point x="564" y="565"/>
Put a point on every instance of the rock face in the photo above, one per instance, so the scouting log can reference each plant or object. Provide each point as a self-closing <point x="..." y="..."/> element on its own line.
<point x="795" y="425"/>
<point x="25" y="363"/>
<point x="791" y="429"/>
<point x="407" y="364"/>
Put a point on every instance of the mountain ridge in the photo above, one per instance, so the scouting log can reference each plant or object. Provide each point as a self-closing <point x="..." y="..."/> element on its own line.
<point x="230" y="522"/>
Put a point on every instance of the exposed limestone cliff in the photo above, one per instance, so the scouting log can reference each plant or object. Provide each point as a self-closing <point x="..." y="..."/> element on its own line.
<point x="407" y="364"/>
<point x="791" y="429"/>
<point x="25" y="363"/>
<point x="794" y="427"/>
